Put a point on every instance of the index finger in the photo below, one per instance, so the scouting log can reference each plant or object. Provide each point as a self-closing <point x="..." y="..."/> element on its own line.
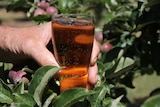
<point x="95" y="53"/>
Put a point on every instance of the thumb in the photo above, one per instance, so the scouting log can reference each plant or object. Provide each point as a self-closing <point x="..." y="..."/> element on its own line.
<point x="43" y="56"/>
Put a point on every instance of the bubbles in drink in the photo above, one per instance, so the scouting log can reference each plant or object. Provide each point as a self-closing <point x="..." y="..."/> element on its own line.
<point x="73" y="43"/>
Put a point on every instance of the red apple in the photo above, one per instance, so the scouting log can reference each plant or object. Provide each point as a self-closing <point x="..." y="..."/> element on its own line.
<point x="105" y="47"/>
<point x="43" y="4"/>
<point x="99" y="36"/>
<point x="51" y="10"/>
<point x="39" y="11"/>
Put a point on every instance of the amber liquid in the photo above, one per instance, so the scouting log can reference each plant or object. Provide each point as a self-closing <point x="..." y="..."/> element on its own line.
<point x="73" y="43"/>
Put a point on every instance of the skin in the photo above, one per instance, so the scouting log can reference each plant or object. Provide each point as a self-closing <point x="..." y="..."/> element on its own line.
<point x="20" y="44"/>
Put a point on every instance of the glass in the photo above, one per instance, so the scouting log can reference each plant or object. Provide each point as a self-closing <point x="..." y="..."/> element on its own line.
<point x="73" y="37"/>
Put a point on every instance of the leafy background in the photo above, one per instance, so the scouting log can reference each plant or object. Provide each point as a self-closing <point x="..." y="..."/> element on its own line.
<point x="128" y="71"/>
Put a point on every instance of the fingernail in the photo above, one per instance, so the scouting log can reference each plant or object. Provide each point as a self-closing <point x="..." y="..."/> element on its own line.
<point x="93" y="61"/>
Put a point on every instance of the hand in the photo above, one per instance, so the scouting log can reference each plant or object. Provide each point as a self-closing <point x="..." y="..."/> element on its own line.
<point x="21" y="44"/>
<point x="93" y="69"/>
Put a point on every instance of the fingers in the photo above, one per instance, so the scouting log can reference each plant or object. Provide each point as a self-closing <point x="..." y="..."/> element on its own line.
<point x="92" y="74"/>
<point x="43" y="56"/>
<point x="93" y="69"/>
<point x="95" y="53"/>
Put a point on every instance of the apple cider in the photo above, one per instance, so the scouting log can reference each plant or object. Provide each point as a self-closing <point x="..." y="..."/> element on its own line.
<point x="72" y="42"/>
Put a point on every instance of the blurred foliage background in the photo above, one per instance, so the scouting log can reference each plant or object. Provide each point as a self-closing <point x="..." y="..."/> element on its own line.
<point x="128" y="32"/>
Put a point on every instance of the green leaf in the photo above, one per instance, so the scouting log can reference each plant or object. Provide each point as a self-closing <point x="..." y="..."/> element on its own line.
<point x="109" y="17"/>
<point x="42" y="18"/>
<point x="112" y="69"/>
<point x="5" y="93"/>
<point x="112" y="54"/>
<point x="96" y="99"/>
<point x="24" y="100"/>
<point x="66" y="6"/>
<point x="16" y="3"/>
<point x="153" y="101"/>
<point x="71" y="96"/>
<point x="6" y="66"/>
<point x="40" y="80"/>
<point x="19" y="88"/>
<point x="49" y="99"/>
<point x="108" y="102"/>
<point x="124" y="65"/>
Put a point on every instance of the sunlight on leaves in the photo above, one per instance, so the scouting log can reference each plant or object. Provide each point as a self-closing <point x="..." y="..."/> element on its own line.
<point x="71" y="96"/>
<point x="40" y="81"/>
<point x="5" y="93"/>
<point x="153" y="101"/>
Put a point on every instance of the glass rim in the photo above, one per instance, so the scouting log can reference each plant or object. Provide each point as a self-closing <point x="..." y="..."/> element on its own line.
<point x="76" y="15"/>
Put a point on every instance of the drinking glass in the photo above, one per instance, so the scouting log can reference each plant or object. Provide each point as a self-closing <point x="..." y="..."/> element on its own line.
<point x="73" y="36"/>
